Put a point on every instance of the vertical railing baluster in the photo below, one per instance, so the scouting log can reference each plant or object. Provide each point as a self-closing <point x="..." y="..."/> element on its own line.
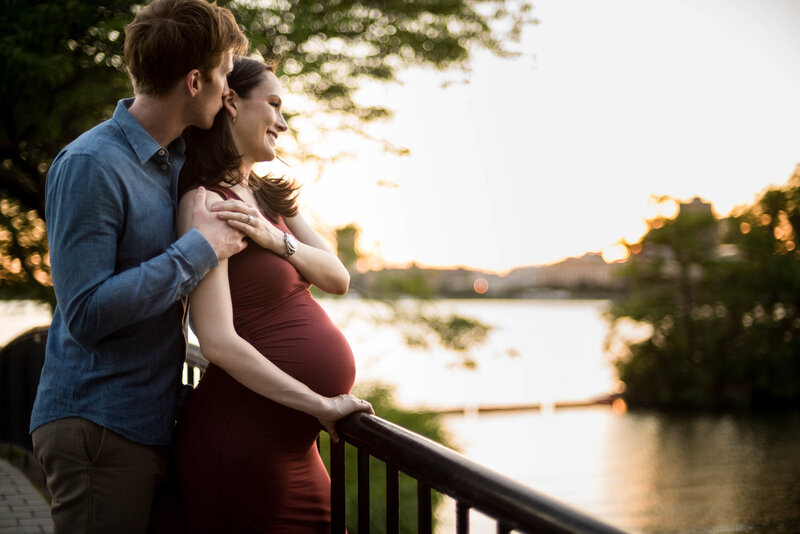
<point x="424" y="519"/>
<point x="337" y="488"/>
<point x="392" y="499"/>
<point x="462" y="517"/>
<point x="412" y="454"/>
<point x="363" y="491"/>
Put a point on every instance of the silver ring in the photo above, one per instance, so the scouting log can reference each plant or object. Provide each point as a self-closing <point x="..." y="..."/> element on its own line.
<point x="249" y="219"/>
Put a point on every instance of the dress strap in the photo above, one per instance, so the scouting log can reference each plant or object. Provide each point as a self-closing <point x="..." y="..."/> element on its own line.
<point x="225" y="192"/>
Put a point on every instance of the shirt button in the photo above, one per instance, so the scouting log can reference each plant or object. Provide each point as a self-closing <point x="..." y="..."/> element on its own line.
<point x="164" y="166"/>
<point x="162" y="152"/>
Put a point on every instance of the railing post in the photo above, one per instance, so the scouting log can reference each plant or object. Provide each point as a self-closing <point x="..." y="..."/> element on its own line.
<point x="462" y="518"/>
<point x="424" y="521"/>
<point x="338" y="512"/>
<point x="363" y="491"/>
<point x="392" y="499"/>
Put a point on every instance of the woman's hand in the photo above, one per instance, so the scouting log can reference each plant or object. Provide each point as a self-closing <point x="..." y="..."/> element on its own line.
<point x="341" y="406"/>
<point x="249" y="220"/>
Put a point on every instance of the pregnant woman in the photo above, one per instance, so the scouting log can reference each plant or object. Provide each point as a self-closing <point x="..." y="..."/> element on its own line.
<point x="279" y="369"/>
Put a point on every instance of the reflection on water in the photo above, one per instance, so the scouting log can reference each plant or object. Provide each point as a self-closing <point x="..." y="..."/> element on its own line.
<point x="644" y="471"/>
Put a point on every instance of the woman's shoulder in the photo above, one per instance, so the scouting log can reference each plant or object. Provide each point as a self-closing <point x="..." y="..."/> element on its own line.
<point x="212" y="195"/>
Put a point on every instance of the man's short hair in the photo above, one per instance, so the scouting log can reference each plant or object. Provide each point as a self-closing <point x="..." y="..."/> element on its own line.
<point x="169" y="38"/>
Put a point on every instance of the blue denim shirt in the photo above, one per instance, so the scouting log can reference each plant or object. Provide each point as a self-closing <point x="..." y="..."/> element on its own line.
<point x="117" y="341"/>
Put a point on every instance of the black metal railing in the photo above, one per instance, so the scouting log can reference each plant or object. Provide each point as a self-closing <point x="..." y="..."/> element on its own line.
<point x="512" y="505"/>
<point x="193" y="366"/>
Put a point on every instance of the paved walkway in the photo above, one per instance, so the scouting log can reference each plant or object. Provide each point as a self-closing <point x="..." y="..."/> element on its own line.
<point x="23" y="510"/>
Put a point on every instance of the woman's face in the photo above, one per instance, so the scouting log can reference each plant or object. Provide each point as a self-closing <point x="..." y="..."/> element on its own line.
<point x="259" y="120"/>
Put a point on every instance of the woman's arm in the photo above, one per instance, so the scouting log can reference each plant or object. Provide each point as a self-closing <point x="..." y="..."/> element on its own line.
<point x="212" y="321"/>
<point x="313" y="258"/>
<point x="324" y="268"/>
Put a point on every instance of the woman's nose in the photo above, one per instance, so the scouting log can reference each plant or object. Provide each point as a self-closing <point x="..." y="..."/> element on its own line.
<point x="281" y="123"/>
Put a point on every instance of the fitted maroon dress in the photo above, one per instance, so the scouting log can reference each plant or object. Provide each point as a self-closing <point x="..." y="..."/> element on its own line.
<point x="245" y="463"/>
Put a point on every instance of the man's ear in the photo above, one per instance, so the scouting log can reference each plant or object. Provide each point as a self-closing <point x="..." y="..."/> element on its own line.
<point x="192" y="82"/>
<point x="231" y="104"/>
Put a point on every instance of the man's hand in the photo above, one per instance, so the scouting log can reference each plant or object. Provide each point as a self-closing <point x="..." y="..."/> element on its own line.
<point x="223" y="238"/>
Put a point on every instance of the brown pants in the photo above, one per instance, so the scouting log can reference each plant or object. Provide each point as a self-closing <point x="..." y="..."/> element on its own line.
<point x="99" y="482"/>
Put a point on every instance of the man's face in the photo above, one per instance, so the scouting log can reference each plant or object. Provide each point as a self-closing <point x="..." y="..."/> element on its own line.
<point x="212" y="90"/>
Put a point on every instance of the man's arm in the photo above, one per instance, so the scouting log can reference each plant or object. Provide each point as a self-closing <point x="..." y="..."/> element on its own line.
<point x="85" y="211"/>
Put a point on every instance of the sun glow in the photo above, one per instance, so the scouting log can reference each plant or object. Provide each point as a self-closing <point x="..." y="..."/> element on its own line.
<point x="614" y="253"/>
<point x="565" y="167"/>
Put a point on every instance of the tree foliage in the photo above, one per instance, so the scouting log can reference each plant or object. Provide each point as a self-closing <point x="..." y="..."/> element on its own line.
<point x="720" y="300"/>
<point x="62" y="72"/>
<point x="61" y="65"/>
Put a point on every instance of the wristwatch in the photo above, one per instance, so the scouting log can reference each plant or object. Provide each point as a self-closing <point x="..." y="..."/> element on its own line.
<point x="291" y="244"/>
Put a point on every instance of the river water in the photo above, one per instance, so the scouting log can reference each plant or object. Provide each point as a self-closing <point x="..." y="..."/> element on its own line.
<point x="641" y="471"/>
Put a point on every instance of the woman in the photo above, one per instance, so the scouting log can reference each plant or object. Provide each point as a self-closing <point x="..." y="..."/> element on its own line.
<point x="279" y="368"/>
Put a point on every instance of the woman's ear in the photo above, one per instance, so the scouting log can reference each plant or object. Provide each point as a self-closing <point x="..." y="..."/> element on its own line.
<point x="231" y="104"/>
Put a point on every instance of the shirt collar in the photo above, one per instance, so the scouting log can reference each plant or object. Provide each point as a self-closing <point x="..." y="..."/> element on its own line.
<point x="142" y="142"/>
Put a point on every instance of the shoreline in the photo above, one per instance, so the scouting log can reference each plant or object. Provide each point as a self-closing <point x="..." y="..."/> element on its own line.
<point x="613" y="401"/>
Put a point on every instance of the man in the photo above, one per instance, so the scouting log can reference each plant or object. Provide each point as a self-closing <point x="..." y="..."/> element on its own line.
<point x="108" y="395"/>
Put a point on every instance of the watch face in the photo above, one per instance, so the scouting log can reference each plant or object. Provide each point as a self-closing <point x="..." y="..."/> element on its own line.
<point x="291" y="244"/>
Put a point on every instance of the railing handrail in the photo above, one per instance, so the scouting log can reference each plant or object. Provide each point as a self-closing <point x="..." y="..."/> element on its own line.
<point x="447" y="471"/>
<point x="195" y="358"/>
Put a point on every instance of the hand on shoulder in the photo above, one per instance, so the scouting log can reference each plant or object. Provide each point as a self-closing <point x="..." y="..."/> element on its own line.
<point x="249" y="220"/>
<point x="223" y="238"/>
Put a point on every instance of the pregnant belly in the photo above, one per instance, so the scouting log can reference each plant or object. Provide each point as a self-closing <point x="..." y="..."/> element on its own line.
<point x="304" y="342"/>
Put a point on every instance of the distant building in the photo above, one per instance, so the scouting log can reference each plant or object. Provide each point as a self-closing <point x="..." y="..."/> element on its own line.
<point x="696" y="206"/>
<point x="587" y="271"/>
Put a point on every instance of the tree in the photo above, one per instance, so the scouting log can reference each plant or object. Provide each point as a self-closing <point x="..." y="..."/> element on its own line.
<point x="62" y="68"/>
<point x="61" y="65"/>
<point x="720" y="300"/>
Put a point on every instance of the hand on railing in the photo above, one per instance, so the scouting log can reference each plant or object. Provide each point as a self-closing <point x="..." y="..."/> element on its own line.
<point x="341" y="406"/>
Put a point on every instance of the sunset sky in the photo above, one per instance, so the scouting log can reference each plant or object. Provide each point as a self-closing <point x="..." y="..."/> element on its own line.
<point x="558" y="151"/>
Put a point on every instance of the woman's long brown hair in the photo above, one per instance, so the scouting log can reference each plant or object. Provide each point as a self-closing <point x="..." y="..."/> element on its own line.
<point x="212" y="158"/>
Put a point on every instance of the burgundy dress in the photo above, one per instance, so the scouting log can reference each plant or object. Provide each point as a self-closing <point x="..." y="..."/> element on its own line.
<point x="245" y="463"/>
